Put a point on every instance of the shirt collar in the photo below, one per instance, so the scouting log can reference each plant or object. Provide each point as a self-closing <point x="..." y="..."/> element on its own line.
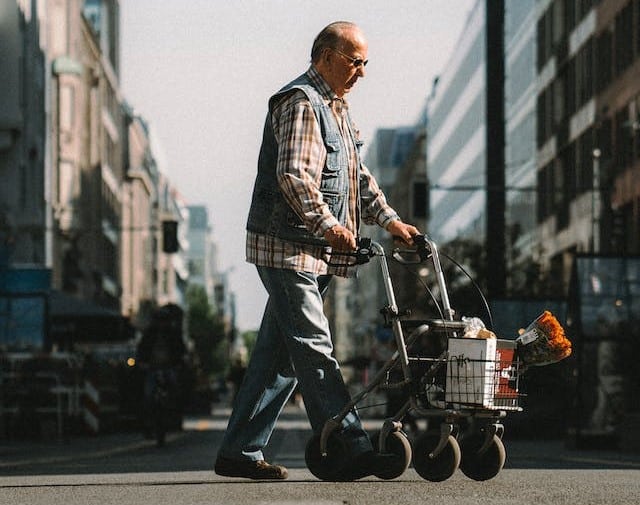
<point x="321" y="85"/>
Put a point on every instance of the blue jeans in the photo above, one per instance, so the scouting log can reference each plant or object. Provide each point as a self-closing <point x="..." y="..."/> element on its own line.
<point x="293" y="347"/>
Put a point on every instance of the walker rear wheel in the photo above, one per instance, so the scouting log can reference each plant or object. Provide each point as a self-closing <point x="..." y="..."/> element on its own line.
<point x="331" y="467"/>
<point x="435" y="468"/>
<point x="482" y="465"/>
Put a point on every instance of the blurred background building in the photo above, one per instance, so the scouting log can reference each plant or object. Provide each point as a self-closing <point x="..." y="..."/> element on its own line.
<point x="93" y="235"/>
<point x="530" y="156"/>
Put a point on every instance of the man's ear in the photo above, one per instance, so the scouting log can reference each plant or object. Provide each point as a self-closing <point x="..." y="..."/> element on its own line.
<point x="327" y="54"/>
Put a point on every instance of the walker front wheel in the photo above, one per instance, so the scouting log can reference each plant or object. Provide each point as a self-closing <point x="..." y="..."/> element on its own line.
<point x="435" y="467"/>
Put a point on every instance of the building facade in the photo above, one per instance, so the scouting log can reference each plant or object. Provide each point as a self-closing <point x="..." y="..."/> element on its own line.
<point x="24" y="160"/>
<point x="84" y="194"/>
<point x="62" y="203"/>
<point x="137" y="236"/>
<point x="204" y="269"/>
<point x="199" y="236"/>
<point x="171" y="274"/>
<point x="466" y="138"/>
<point x="520" y="145"/>
<point x="456" y="145"/>
<point x="587" y="129"/>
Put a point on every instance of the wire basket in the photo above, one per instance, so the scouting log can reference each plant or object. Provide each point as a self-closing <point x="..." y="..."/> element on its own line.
<point x="475" y="382"/>
<point x="482" y="384"/>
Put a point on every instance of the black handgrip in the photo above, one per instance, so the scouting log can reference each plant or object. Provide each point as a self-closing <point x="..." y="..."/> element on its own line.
<point x="422" y="251"/>
<point x="361" y="255"/>
<point x="423" y="246"/>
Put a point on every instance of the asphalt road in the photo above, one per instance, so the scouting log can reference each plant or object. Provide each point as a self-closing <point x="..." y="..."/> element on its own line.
<point x="125" y="468"/>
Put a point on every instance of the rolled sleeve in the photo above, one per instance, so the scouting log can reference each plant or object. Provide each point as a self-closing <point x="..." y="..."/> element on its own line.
<point x="375" y="209"/>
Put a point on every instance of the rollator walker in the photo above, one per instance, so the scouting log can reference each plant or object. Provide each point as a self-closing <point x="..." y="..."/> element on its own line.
<point x="462" y="387"/>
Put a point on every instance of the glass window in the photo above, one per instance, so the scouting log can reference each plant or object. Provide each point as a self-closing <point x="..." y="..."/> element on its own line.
<point x="24" y="320"/>
<point x="559" y="105"/>
<point x="606" y="289"/>
<point x="517" y="12"/>
<point x="420" y="202"/>
<point x="604" y="46"/>
<point x="583" y="62"/>
<point x="623" y="37"/>
<point x="569" y="15"/>
<point x="584" y="162"/>
<point x="623" y="141"/>
<point x="520" y="75"/>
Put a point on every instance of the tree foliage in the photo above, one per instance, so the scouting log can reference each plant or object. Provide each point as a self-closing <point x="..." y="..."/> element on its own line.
<point x="464" y="266"/>
<point x="249" y="338"/>
<point x="206" y="330"/>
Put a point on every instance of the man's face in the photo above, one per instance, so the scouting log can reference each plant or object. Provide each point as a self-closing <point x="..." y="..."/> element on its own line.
<point x="343" y="66"/>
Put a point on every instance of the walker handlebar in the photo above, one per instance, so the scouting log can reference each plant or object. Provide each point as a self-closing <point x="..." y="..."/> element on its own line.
<point x="367" y="249"/>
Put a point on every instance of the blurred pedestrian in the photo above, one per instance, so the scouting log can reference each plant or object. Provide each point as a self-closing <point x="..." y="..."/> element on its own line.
<point x="161" y="356"/>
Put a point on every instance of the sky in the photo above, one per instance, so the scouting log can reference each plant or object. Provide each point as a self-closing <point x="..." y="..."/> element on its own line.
<point x="200" y="73"/>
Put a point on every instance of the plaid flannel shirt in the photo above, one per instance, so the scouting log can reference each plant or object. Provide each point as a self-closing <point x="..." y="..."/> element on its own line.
<point x="301" y="159"/>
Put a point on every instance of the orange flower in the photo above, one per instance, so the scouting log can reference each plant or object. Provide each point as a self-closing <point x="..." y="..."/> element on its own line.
<point x="543" y="342"/>
<point x="558" y="342"/>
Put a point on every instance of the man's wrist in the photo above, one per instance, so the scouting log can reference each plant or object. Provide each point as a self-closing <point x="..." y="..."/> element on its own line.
<point x="389" y="220"/>
<point x="326" y="226"/>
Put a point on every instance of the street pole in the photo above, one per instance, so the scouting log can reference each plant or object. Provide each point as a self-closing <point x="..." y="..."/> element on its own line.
<point x="596" y="203"/>
<point x="495" y="261"/>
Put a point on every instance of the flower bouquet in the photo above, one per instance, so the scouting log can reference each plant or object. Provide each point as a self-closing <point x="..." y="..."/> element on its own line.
<point x="543" y="342"/>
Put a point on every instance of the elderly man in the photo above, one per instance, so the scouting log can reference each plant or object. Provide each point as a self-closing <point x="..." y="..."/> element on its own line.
<point x="310" y="193"/>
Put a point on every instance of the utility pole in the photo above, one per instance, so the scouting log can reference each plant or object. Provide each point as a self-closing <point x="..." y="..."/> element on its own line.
<point x="495" y="142"/>
<point x="596" y="204"/>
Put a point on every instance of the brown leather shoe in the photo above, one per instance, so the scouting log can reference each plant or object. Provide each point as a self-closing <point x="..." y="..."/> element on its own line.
<point x="257" y="470"/>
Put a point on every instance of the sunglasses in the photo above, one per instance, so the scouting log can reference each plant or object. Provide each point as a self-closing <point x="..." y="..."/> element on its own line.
<point x="356" y="62"/>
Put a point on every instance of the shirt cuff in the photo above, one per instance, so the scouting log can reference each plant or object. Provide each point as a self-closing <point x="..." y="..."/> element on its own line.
<point x="385" y="218"/>
<point x="324" y="225"/>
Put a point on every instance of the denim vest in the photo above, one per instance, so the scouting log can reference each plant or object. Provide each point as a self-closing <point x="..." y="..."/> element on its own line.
<point x="270" y="214"/>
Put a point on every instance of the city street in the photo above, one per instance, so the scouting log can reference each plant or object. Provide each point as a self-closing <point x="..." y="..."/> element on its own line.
<point x="126" y="468"/>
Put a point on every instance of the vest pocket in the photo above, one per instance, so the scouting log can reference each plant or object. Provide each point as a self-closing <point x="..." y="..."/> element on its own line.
<point x="334" y="154"/>
<point x="335" y="201"/>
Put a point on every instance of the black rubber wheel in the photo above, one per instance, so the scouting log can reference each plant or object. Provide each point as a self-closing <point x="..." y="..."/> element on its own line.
<point x="333" y="466"/>
<point x="440" y="467"/>
<point x="397" y="444"/>
<point x="485" y="465"/>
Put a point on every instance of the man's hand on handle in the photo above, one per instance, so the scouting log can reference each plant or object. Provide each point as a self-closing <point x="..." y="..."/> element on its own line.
<point x="402" y="231"/>
<point x="340" y="238"/>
